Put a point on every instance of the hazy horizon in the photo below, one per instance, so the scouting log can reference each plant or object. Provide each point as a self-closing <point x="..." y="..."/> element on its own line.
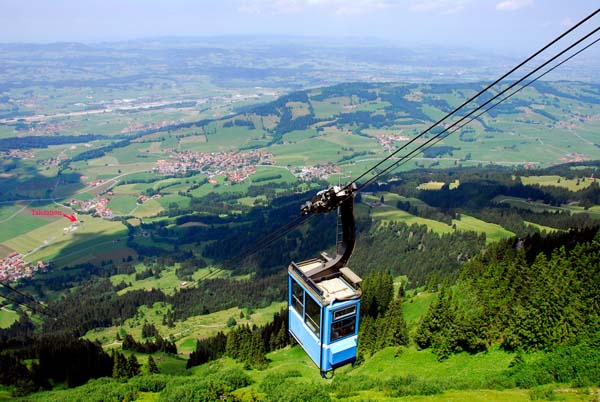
<point x="494" y="26"/>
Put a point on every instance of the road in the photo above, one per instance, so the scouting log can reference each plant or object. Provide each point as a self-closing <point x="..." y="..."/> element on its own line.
<point x="495" y="162"/>
<point x="110" y="109"/>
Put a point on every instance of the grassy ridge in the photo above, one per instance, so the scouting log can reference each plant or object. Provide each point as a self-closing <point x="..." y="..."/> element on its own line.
<point x="557" y="181"/>
<point x="392" y="374"/>
<point x="7" y="317"/>
<point x="17" y="220"/>
<point x="387" y="213"/>
<point x="493" y="232"/>
<point x="183" y="332"/>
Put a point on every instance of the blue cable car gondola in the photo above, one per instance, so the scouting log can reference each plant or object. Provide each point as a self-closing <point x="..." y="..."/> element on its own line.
<point x="324" y="294"/>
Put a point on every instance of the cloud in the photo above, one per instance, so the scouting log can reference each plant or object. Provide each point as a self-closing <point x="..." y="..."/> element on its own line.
<point x="249" y="8"/>
<point x="439" y="6"/>
<point x="567" y="22"/>
<point x="513" y="5"/>
<point x="339" y="7"/>
<point x="354" y="7"/>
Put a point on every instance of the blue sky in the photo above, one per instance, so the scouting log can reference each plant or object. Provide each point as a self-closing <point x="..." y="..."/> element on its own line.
<point x="496" y="25"/>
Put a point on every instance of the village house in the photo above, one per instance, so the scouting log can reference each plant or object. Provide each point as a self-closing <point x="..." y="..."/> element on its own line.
<point x="13" y="267"/>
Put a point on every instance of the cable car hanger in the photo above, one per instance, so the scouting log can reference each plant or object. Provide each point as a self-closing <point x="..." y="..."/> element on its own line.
<point x="323" y="294"/>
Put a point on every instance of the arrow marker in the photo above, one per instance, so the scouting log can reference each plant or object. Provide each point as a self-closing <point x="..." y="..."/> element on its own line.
<point x="72" y="218"/>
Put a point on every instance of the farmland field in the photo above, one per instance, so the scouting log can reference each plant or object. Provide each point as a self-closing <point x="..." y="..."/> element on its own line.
<point x="493" y="232"/>
<point x="557" y="181"/>
<point x="337" y="131"/>
<point x="16" y="219"/>
<point x="92" y="234"/>
<point x="396" y="215"/>
<point x="184" y="332"/>
<point x="7" y="317"/>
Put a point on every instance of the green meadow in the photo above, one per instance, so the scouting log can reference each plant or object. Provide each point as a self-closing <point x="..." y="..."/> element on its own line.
<point x="493" y="232"/>
<point x="185" y="332"/>
<point x="7" y="316"/>
<point x="557" y="181"/>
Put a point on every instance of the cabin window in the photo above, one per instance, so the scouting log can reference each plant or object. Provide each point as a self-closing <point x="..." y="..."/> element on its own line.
<point x="343" y="328"/>
<point x="298" y="298"/>
<point x="312" y="318"/>
<point x="343" y="313"/>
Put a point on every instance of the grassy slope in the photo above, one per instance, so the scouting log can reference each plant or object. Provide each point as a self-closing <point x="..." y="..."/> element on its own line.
<point x="184" y="332"/>
<point x="463" y="376"/>
<point x="557" y="181"/>
<point x="536" y="206"/>
<point x="7" y="317"/>
<point x="385" y="365"/>
<point x="416" y="307"/>
<point x="493" y="232"/>
<point x="387" y="213"/>
<point x="548" y="229"/>
<point x="167" y="281"/>
<point x="16" y="219"/>
<point x="93" y="235"/>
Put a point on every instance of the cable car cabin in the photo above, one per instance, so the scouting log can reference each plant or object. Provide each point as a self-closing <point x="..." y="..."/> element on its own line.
<point x="324" y="307"/>
<point x="324" y="294"/>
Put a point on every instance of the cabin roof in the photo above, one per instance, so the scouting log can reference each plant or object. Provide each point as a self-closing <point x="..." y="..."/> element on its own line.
<point x="335" y="288"/>
<point x="342" y="284"/>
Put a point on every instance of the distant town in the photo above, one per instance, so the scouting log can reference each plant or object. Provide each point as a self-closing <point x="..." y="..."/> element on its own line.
<point x="316" y="172"/>
<point x="387" y="140"/>
<point x="13" y="267"/>
<point x="96" y="206"/>
<point x="236" y="166"/>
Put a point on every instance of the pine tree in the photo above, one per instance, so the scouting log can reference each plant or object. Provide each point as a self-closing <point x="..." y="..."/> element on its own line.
<point x="396" y="330"/>
<point x="232" y="347"/>
<point x="149" y="330"/>
<point x="281" y="340"/>
<point x="437" y="329"/>
<point x="257" y="356"/>
<point x="119" y="365"/>
<point x="133" y="366"/>
<point x="381" y="334"/>
<point x="245" y="345"/>
<point x="129" y="343"/>
<point x="367" y="336"/>
<point x="152" y="367"/>
<point x="378" y="292"/>
<point x="401" y="291"/>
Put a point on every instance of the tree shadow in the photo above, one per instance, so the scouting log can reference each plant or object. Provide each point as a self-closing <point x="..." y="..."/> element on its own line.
<point x="23" y="181"/>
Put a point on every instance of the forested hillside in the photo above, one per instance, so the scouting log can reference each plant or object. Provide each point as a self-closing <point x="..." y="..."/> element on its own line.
<point x="502" y="299"/>
<point x="528" y="314"/>
<point x="484" y="249"/>
<point x="535" y="294"/>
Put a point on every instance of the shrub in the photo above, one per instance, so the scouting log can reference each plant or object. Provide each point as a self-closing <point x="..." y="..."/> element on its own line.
<point x="101" y="390"/>
<point x="195" y="390"/>
<point x="577" y="364"/>
<point x="299" y="392"/>
<point x="234" y="378"/>
<point x="273" y="380"/>
<point x="418" y="387"/>
<point x="398" y="382"/>
<point x="150" y="383"/>
<point x="545" y="393"/>
<point x="344" y="383"/>
<point x="500" y="382"/>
